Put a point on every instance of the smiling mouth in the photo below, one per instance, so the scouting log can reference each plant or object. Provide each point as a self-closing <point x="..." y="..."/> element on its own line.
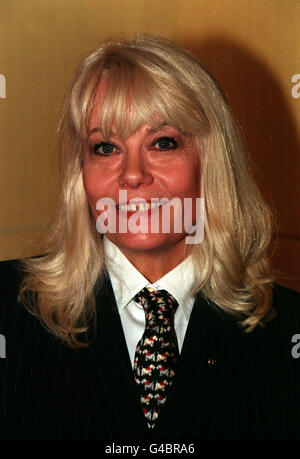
<point x="139" y="207"/>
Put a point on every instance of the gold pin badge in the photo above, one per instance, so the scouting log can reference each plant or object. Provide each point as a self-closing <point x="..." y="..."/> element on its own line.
<point x="211" y="362"/>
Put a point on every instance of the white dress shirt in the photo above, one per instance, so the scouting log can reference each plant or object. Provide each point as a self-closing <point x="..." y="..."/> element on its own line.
<point x="127" y="281"/>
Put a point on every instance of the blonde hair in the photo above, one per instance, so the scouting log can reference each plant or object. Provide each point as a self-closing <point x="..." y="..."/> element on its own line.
<point x="158" y="80"/>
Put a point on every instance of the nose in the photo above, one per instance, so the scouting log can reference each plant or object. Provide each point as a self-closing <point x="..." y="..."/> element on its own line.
<point x="135" y="172"/>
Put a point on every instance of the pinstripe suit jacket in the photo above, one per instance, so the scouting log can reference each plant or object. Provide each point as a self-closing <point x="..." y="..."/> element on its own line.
<point x="50" y="391"/>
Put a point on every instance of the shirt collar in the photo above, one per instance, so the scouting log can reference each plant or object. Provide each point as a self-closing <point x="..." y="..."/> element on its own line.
<point x="127" y="281"/>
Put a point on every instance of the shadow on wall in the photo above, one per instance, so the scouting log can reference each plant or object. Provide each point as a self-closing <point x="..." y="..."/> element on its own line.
<point x="263" y="112"/>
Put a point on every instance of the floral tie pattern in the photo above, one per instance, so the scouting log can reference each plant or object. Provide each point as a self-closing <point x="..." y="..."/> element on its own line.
<point x="156" y="354"/>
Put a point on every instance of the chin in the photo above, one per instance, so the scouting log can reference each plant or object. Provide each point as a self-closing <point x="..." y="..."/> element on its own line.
<point x="144" y="241"/>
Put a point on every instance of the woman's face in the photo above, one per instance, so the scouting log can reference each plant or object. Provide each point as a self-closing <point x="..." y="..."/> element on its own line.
<point x="160" y="163"/>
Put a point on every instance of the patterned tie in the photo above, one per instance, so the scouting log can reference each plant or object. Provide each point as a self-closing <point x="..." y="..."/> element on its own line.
<point x="156" y="353"/>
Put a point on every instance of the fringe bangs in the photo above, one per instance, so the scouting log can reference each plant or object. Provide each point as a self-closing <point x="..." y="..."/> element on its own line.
<point x="135" y="97"/>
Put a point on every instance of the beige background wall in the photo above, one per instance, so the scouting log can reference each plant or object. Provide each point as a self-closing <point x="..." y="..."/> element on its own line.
<point x="252" y="47"/>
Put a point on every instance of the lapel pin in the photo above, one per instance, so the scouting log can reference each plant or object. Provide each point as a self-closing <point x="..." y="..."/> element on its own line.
<point x="211" y="362"/>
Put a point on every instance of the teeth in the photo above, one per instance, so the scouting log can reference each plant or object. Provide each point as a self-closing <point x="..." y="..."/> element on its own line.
<point x="139" y="207"/>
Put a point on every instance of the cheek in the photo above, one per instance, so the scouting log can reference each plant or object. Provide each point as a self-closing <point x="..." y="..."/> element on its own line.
<point x="94" y="186"/>
<point x="185" y="180"/>
<point x="89" y="182"/>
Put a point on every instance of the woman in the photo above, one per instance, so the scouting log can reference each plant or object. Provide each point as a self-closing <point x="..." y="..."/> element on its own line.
<point x="137" y="331"/>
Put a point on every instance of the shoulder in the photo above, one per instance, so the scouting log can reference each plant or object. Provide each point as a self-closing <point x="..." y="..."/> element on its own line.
<point x="285" y="294"/>
<point x="11" y="275"/>
<point x="16" y="320"/>
<point x="276" y="335"/>
<point x="286" y="303"/>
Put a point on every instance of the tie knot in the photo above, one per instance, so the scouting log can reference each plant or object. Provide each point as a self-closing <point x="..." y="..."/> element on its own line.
<point x="159" y="305"/>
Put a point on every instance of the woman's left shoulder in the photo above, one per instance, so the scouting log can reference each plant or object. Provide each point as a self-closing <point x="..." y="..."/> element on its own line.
<point x="286" y="303"/>
<point x="283" y="295"/>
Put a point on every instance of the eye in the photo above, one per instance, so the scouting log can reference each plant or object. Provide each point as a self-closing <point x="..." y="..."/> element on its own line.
<point x="104" y="149"/>
<point x="164" y="143"/>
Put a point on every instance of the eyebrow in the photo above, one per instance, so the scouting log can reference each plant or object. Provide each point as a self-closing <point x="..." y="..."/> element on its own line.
<point x="150" y="130"/>
<point x="92" y="131"/>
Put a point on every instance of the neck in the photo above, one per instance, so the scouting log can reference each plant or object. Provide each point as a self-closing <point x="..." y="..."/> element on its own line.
<point x="155" y="264"/>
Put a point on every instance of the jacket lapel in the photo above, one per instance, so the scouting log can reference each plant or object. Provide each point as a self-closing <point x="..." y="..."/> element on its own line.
<point x="211" y="341"/>
<point x="107" y="367"/>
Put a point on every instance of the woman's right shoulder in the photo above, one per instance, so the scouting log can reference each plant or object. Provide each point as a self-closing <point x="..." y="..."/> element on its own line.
<point x="12" y="314"/>
<point x="11" y="274"/>
<point x="12" y="311"/>
<point x="16" y="320"/>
